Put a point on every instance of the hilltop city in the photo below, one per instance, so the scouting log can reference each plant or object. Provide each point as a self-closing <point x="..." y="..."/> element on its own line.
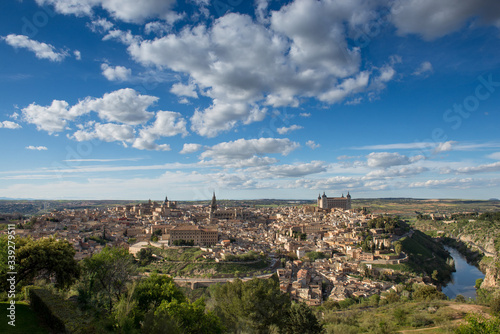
<point x="326" y="245"/>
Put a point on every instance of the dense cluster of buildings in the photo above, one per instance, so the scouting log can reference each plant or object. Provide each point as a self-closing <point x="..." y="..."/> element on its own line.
<point x="331" y="228"/>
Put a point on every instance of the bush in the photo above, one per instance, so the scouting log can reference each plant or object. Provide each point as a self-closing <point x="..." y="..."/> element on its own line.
<point x="478" y="324"/>
<point x="495" y="305"/>
<point x="418" y="320"/>
<point x="427" y="293"/>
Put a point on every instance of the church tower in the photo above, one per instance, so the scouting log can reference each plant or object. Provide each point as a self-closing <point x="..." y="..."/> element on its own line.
<point x="213" y="205"/>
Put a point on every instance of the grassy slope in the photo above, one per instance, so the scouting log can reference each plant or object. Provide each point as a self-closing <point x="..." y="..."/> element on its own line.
<point x="437" y="316"/>
<point x="426" y="255"/>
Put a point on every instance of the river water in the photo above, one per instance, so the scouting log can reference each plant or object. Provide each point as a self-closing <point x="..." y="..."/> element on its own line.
<point x="464" y="279"/>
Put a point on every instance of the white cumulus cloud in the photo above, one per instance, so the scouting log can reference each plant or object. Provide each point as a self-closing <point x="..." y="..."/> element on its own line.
<point x="41" y="50"/>
<point x="283" y="130"/>
<point x="166" y="124"/>
<point x="243" y="149"/>
<point x="125" y="10"/>
<point x="116" y="73"/>
<point x="433" y="19"/>
<point x="424" y="68"/>
<point x="123" y="105"/>
<point x="190" y="148"/>
<point x="9" y="125"/>
<point x="312" y="144"/>
<point x="387" y="159"/>
<point x="36" y="148"/>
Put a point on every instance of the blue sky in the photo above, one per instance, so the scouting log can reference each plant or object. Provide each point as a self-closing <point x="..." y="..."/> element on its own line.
<point x="108" y="99"/>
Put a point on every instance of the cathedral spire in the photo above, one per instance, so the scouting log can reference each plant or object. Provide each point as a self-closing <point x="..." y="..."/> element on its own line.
<point x="213" y="205"/>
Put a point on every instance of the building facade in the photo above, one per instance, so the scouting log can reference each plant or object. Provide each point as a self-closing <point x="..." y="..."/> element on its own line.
<point x="199" y="235"/>
<point x="343" y="203"/>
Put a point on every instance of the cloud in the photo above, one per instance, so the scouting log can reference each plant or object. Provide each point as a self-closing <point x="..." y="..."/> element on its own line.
<point x="77" y="54"/>
<point x="346" y="88"/>
<point x="312" y="144"/>
<point x="190" y="148"/>
<point x="305" y="114"/>
<point x="36" y="148"/>
<point x="444" y="146"/>
<point x="387" y="159"/>
<point x="486" y="168"/>
<point x="395" y="172"/>
<point x="160" y="28"/>
<point x="106" y="132"/>
<point x="444" y="183"/>
<point x="125" y="37"/>
<point x="248" y="148"/>
<point x="117" y="73"/>
<point x="125" y="10"/>
<point x="284" y="130"/>
<point x="223" y="117"/>
<point x="354" y="102"/>
<point x="398" y="146"/>
<point x="301" y="52"/>
<point x="53" y="118"/>
<point x="166" y="124"/>
<point x="41" y="50"/>
<point x="424" y="68"/>
<point x="433" y="19"/>
<point x="184" y="90"/>
<point x="9" y="125"/>
<point x="124" y="106"/>
<point x="102" y="160"/>
<point x="495" y="156"/>
<point x="297" y="170"/>
<point x="101" y="25"/>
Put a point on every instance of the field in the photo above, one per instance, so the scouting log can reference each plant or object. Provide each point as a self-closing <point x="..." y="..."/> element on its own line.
<point x="409" y="207"/>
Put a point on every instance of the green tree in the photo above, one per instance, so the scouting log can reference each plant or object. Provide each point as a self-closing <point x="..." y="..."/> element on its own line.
<point x="105" y="277"/>
<point x="301" y="320"/>
<point x="479" y="281"/>
<point x="42" y="258"/>
<point x="191" y="317"/>
<point x="145" y="256"/>
<point x="124" y="313"/>
<point x="398" y="247"/>
<point x="252" y="306"/>
<point x="150" y="292"/>
<point x="313" y="256"/>
<point x="427" y="292"/>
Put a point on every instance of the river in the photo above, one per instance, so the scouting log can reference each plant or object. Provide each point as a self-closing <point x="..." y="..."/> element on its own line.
<point x="464" y="279"/>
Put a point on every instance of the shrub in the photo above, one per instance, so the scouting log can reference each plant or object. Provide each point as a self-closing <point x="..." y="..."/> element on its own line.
<point x="495" y="305"/>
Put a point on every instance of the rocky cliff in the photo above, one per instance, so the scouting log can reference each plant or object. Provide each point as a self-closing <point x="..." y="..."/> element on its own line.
<point x="490" y="262"/>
